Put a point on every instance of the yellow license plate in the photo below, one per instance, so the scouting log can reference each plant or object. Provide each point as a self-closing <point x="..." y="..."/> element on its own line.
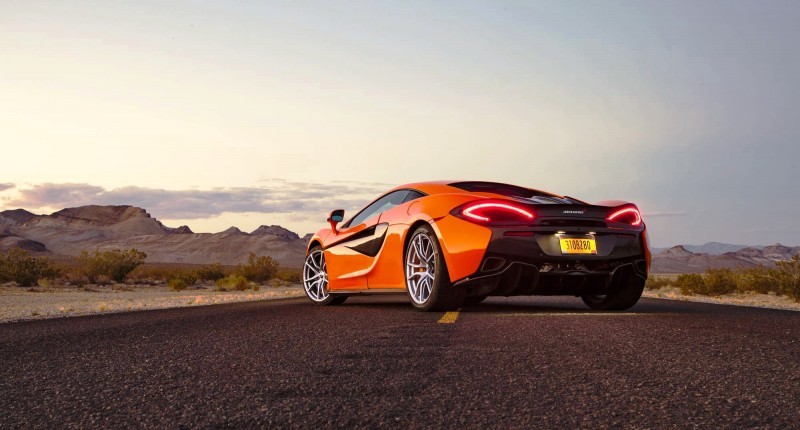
<point x="571" y="245"/>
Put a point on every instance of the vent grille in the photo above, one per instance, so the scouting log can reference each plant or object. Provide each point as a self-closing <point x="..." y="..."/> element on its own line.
<point x="572" y="222"/>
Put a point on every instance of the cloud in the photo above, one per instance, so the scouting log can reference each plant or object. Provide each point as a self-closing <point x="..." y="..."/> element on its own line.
<point x="663" y="214"/>
<point x="783" y="229"/>
<point x="56" y="195"/>
<point x="7" y="186"/>
<point x="301" y="199"/>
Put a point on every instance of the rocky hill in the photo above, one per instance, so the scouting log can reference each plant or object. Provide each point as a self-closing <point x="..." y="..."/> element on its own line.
<point x="15" y="217"/>
<point x="72" y="230"/>
<point x="275" y="230"/>
<point x="712" y="248"/>
<point x="680" y="260"/>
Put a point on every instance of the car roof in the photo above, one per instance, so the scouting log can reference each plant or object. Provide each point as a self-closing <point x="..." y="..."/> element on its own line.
<point x="442" y="187"/>
<point x="431" y="187"/>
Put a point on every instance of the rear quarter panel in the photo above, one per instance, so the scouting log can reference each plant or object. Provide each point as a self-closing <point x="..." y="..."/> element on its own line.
<point x="463" y="243"/>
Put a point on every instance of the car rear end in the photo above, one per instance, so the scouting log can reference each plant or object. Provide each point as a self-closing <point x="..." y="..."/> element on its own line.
<point x="556" y="246"/>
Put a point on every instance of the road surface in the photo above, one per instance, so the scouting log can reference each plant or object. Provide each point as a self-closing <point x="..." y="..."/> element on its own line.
<point x="374" y="362"/>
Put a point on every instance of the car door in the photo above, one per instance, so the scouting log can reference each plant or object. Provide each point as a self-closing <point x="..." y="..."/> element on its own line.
<point x="387" y="271"/>
<point x="352" y="251"/>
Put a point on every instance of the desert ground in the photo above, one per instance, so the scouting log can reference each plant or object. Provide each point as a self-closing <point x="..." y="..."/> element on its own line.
<point x="17" y="304"/>
<point x="769" y="301"/>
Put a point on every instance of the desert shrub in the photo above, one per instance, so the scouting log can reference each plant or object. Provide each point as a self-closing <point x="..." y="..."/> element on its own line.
<point x="719" y="282"/>
<point x="691" y="283"/>
<point x="715" y="282"/>
<point x="115" y="264"/>
<point x="233" y="283"/>
<point x="278" y="282"/>
<point x="177" y="284"/>
<point x="787" y="277"/>
<point x="103" y="280"/>
<point x="146" y="274"/>
<point x="290" y="276"/>
<point x="188" y="277"/>
<point x="657" y="282"/>
<point x="259" y="268"/>
<point x="756" y="280"/>
<point x="210" y="272"/>
<point x="18" y="266"/>
<point x="74" y="277"/>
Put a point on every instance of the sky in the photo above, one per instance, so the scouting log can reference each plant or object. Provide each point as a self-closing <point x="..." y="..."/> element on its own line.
<point x="214" y="114"/>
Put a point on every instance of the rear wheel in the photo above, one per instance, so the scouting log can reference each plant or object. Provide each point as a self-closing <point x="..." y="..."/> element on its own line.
<point x="427" y="280"/>
<point x="315" y="279"/>
<point x="624" y="297"/>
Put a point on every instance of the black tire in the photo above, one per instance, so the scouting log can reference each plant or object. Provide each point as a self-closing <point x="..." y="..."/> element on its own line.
<point x="624" y="297"/>
<point x="330" y="299"/>
<point x="443" y="296"/>
<point x="474" y="300"/>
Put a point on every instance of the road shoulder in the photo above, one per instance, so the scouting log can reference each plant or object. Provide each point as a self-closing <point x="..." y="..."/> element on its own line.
<point x="767" y="301"/>
<point x="21" y="304"/>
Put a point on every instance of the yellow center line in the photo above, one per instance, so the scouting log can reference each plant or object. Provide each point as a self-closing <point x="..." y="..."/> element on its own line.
<point x="449" y="317"/>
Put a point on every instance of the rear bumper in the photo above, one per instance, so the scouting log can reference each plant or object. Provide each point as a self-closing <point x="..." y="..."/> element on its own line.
<point x="534" y="265"/>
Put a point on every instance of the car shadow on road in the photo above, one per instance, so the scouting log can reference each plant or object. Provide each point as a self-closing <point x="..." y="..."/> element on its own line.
<point x="555" y="306"/>
<point x="520" y="305"/>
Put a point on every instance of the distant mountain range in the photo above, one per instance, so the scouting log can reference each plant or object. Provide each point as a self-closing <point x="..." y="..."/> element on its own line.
<point x="69" y="231"/>
<point x="680" y="259"/>
<point x="712" y="248"/>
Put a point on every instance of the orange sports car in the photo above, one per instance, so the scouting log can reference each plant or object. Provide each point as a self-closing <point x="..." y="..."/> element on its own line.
<point x="448" y="243"/>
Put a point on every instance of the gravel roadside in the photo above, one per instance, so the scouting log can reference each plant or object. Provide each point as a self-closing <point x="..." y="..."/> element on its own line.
<point x="768" y="301"/>
<point x="17" y="304"/>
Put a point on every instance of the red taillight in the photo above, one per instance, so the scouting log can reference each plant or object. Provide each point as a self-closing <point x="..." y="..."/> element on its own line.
<point x="495" y="213"/>
<point x="627" y="215"/>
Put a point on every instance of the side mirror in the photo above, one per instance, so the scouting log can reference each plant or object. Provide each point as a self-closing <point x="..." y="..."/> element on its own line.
<point x="335" y="218"/>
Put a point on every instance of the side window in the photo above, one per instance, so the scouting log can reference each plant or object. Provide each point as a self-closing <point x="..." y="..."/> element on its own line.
<point x="378" y="206"/>
<point x="413" y="195"/>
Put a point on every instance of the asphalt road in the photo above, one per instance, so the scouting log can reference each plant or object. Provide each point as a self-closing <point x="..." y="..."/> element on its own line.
<point x="373" y="362"/>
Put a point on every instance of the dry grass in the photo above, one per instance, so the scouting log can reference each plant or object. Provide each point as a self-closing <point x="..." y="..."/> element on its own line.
<point x="657" y="282"/>
<point x="235" y="283"/>
<point x="126" y="267"/>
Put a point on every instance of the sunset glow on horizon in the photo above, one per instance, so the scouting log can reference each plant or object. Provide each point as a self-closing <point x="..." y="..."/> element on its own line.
<point x="219" y="114"/>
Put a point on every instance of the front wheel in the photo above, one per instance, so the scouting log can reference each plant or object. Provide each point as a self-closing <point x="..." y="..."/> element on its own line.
<point x="427" y="279"/>
<point x="315" y="279"/>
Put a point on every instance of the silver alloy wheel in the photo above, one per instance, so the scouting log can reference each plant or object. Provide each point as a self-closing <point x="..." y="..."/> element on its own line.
<point x="315" y="276"/>
<point x="420" y="268"/>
